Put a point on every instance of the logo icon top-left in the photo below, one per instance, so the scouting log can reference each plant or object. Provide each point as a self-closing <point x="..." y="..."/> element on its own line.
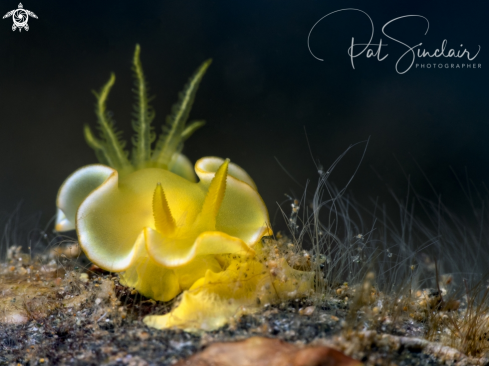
<point x="20" y="17"/>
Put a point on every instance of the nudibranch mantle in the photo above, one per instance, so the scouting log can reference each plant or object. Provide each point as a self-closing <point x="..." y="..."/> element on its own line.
<point x="116" y="222"/>
<point x="149" y="219"/>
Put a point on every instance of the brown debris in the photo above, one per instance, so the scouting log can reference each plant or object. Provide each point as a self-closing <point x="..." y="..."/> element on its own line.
<point x="360" y="345"/>
<point x="259" y="351"/>
<point x="307" y="311"/>
<point x="34" y="290"/>
<point x="71" y="250"/>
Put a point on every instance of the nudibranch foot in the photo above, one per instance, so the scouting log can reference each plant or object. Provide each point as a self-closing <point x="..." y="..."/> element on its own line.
<point x="244" y="287"/>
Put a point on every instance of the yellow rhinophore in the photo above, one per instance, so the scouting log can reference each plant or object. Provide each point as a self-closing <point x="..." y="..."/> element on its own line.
<point x="147" y="217"/>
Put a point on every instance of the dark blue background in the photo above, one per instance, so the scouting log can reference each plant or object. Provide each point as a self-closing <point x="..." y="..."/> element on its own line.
<point x="262" y="89"/>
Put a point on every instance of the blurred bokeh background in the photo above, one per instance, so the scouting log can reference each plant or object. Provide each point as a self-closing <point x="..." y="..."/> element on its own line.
<point x="262" y="92"/>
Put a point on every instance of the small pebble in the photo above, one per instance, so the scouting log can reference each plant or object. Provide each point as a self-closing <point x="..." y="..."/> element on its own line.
<point x="307" y="311"/>
<point x="84" y="277"/>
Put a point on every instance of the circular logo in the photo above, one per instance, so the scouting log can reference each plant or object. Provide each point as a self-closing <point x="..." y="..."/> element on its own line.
<point x="20" y="17"/>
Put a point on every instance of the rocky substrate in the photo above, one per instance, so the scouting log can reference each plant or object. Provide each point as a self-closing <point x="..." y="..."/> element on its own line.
<point x="52" y="314"/>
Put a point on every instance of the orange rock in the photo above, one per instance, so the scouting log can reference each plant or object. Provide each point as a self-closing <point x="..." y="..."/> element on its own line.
<point x="259" y="351"/>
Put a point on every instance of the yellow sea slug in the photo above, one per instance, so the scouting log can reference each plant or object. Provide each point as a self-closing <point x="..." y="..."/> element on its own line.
<point x="149" y="219"/>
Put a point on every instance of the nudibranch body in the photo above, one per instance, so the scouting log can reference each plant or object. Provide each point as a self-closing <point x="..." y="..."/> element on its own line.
<point x="148" y="218"/>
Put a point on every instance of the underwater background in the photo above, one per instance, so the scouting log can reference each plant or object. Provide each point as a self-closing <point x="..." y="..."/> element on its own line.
<point x="262" y="93"/>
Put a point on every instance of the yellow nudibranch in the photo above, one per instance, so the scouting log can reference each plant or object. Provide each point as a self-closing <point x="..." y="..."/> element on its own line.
<point x="149" y="219"/>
